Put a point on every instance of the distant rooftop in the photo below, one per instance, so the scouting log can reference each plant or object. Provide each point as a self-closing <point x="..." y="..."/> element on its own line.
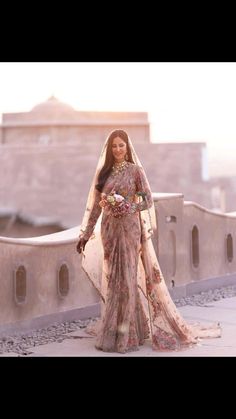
<point x="52" y="105"/>
<point x="54" y="112"/>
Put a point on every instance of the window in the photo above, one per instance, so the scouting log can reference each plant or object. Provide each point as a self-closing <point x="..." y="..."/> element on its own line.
<point x="20" y="284"/>
<point x="172" y="239"/>
<point x="195" y="246"/>
<point x="63" y="280"/>
<point x="171" y="219"/>
<point x="229" y="248"/>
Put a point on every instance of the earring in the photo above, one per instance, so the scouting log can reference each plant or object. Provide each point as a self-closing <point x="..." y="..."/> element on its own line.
<point x="126" y="157"/>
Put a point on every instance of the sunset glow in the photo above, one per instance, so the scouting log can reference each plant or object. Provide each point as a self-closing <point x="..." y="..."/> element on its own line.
<point x="186" y="102"/>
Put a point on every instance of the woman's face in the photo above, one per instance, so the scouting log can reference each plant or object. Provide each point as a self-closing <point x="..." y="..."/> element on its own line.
<point x="119" y="149"/>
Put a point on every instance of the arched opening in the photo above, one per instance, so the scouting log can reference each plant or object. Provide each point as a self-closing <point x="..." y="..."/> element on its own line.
<point x="195" y="246"/>
<point x="63" y="280"/>
<point x="229" y="248"/>
<point x="172" y="239"/>
<point x="20" y="284"/>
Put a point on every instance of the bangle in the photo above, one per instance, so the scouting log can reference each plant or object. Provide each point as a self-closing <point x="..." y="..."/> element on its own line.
<point x="133" y="208"/>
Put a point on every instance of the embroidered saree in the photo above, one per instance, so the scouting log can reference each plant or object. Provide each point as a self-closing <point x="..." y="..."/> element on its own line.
<point x="136" y="303"/>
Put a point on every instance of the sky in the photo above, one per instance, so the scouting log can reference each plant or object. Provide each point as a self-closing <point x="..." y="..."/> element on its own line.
<point x="185" y="102"/>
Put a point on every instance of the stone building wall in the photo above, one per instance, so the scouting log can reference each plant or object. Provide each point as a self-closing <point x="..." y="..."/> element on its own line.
<point x="48" y="157"/>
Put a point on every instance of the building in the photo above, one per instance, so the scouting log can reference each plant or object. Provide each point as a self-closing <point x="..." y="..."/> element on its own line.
<point x="48" y="157"/>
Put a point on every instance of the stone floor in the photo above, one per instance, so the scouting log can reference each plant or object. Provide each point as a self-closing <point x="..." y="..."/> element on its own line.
<point x="70" y="340"/>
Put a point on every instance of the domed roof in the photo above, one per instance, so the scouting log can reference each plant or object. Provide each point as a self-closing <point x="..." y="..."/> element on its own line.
<point x="52" y="105"/>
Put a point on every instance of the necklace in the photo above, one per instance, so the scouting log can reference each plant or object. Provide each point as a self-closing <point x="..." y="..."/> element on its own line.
<point x="119" y="167"/>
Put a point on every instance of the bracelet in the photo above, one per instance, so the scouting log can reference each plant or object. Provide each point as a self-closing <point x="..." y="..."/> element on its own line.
<point x="133" y="208"/>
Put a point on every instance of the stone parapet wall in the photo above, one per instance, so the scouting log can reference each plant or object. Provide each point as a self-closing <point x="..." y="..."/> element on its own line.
<point x="193" y="243"/>
<point x="42" y="276"/>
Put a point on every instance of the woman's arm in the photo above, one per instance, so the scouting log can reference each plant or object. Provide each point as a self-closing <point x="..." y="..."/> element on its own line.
<point x="143" y="189"/>
<point x="95" y="212"/>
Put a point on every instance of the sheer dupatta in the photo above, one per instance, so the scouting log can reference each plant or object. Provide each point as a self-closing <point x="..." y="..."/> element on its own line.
<point x="169" y="331"/>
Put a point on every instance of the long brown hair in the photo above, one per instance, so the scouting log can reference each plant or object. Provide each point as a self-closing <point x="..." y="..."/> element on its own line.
<point x="109" y="159"/>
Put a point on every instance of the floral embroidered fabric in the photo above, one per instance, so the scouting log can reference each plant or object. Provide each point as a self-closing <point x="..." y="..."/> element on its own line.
<point x="124" y="324"/>
<point x="136" y="301"/>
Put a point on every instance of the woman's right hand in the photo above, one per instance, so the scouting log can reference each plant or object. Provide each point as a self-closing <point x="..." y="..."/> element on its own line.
<point x="81" y="244"/>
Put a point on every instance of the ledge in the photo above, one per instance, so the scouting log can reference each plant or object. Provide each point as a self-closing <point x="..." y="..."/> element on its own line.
<point x="62" y="237"/>
<point x="158" y="196"/>
<point x="203" y="209"/>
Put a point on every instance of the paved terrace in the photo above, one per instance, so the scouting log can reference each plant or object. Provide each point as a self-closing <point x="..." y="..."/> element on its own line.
<point x="80" y="344"/>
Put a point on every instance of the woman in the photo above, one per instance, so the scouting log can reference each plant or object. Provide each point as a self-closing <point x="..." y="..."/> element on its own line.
<point x="136" y="299"/>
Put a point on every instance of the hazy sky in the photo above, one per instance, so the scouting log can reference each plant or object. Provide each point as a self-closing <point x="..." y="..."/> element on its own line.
<point x="185" y="101"/>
